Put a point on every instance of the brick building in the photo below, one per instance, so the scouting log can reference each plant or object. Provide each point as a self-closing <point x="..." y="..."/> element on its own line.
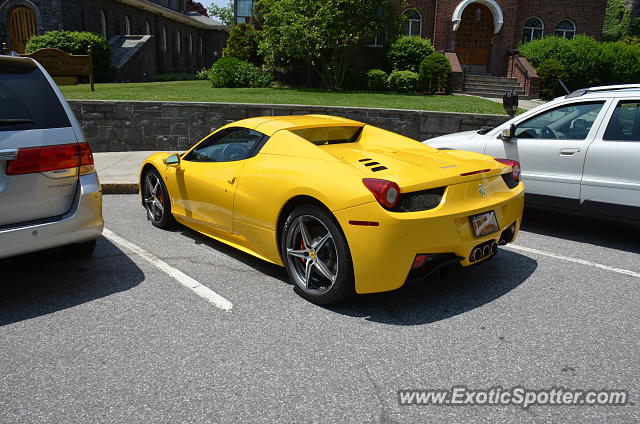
<point x="478" y="35"/>
<point x="147" y="37"/>
<point x="482" y="32"/>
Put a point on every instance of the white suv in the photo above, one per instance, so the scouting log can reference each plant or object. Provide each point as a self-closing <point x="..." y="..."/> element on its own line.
<point x="50" y="195"/>
<point x="580" y="152"/>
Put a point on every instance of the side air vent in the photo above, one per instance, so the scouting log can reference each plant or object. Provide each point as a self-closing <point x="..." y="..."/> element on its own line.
<point x="420" y="200"/>
<point x="378" y="168"/>
<point x="364" y="160"/>
<point x="372" y="163"/>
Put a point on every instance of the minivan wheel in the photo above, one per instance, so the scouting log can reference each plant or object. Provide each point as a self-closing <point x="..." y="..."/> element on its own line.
<point x="156" y="200"/>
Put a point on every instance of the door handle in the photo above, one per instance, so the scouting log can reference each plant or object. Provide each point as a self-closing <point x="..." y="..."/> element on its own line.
<point x="569" y="152"/>
<point x="232" y="181"/>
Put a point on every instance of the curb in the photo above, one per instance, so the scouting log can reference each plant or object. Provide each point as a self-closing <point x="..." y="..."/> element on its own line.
<point x="119" y="188"/>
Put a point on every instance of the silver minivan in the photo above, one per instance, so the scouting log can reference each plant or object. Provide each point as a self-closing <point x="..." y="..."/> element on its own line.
<point x="50" y="195"/>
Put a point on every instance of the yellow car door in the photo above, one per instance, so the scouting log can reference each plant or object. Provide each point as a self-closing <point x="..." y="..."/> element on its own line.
<point x="208" y="175"/>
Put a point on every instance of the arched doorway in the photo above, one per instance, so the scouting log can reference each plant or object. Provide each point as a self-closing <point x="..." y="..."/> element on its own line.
<point x="23" y="24"/>
<point x="473" y="38"/>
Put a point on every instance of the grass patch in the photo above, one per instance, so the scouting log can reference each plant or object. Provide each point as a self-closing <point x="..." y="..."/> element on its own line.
<point x="201" y="91"/>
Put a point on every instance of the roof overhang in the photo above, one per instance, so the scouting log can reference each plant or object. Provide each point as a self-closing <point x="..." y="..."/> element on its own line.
<point x="172" y="14"/>
<point x="496" y="11"/>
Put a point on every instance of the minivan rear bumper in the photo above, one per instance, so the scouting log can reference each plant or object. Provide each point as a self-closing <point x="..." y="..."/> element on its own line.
<point x="83" y="222"/>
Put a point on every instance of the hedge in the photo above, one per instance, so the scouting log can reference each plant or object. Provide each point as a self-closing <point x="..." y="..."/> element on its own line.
<point x="435" y="74"/>
<point x="377" y="80"/>
<point x="76" y="42"/>
<point x="403" y="81"/>
<point x="586" y="61"/>
<point x="406" y="53"/>
<point x="235" y="73"/>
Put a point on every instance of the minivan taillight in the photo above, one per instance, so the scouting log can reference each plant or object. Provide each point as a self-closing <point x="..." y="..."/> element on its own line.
<point x="52" y="158"/>
<point x="515" y="167"/>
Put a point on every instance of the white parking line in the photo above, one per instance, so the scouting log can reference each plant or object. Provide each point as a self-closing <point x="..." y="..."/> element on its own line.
<point x="575" y="260"/>
<point x="202" y="291"/>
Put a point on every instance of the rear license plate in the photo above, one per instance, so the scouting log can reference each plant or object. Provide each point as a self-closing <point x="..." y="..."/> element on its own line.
<point x="484" y="223"/>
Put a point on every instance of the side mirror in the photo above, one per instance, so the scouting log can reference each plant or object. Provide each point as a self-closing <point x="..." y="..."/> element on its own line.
<point x="172" y="160"/>
<point x="508" y="134"/>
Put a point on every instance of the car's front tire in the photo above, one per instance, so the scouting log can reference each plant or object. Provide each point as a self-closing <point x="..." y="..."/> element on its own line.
<point x="316" y="255"/>
<point x="156" y="200"/>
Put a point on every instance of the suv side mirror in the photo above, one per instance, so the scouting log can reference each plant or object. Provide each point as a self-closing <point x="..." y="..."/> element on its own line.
<point x="508" y="134"/>
<point x="172" y="160"/>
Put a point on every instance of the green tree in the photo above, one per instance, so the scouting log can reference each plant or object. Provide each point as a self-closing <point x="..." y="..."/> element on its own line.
<point x="322" y="33"/>
<point x="224" y="13"/>
<point x="243" y="44"/>
<point x="619" y="21"/>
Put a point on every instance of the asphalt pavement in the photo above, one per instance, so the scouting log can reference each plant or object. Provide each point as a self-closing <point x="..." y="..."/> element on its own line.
<point x="116" y="339"/>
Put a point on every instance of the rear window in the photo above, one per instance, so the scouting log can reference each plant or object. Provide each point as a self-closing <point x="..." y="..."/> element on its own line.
<point x="330" y="135"/>
<point x="27" y="101"/>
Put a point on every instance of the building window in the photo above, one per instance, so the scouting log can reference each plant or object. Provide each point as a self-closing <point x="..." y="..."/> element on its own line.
<point x="147" y="28"/>
<point x="178" y="41"/>
<point x="413" y="25"/>
<point x="190" y="44"/>
<point x="201" y="48"/>
<point x="103" y="22"/>
<point x="566" y="29"/>
<point x="164" y="39"/>
<point x="533" y="30"/>
<point x="127" y="26"/>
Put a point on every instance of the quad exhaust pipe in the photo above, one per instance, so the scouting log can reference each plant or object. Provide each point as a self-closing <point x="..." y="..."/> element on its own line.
<point x="483" y="251"/>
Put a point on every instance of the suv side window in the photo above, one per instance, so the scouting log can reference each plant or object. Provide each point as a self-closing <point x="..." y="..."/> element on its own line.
<point x="571" y="122"/>
<point x="624" y="124"/>
<point x="228" y="145"/>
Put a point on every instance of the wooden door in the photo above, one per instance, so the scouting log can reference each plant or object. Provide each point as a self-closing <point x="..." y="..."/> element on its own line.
<point x="23" y="24"/>
<point x="473" y="41"/>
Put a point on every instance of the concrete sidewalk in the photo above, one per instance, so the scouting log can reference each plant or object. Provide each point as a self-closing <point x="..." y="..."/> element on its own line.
<point x="118" y="171"/>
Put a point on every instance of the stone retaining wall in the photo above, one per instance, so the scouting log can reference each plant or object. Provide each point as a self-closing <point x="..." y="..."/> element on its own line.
<point x="129" y="125"/>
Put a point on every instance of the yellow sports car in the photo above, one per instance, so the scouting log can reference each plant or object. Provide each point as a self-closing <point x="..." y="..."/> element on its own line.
<point x="345" y="207"/>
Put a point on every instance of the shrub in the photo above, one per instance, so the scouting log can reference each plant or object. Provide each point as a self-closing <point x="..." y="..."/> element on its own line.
<point x="435" y="74"/>
<point x="406" y="53"/>
<point x="550" y="71"/>
<point x="74" y="42"/>
<point x="243" y="44"/>
<point x="233" y="72"/>
<point x="403" y="81"/>
<point x="377" y="80"/>
<point x="586" y="61"/>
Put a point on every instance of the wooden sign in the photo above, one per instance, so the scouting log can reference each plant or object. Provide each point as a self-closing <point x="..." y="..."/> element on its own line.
<point x="61" y="66"/>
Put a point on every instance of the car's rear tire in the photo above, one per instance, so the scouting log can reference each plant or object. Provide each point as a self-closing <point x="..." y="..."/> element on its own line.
<point x="80" y="249"/>
<point x="156" y="200"/>
<point x="316" y="255"/>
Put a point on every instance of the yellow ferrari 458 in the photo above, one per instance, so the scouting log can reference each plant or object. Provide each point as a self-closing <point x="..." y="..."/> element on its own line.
<point x="344" y="206"/>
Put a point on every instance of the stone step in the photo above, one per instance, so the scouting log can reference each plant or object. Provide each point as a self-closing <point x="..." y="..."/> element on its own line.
<point x="490" y="94"/>
<point x="483" y="78"/>
<point x="492" y="86"/>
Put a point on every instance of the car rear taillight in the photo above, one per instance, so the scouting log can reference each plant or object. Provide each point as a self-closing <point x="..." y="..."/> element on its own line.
<point x="387" y="193"/>
<point x="515" y="167"/>
<point x="52" y="158"/>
